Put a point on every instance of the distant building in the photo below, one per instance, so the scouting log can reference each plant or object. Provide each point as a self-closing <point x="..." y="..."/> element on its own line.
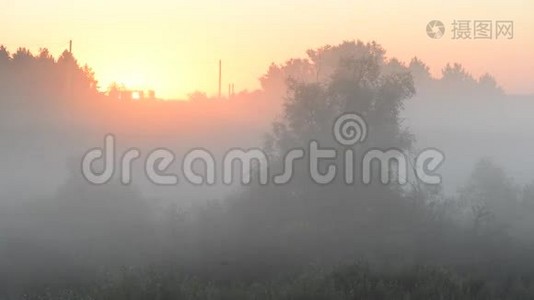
<point x="125" y="95"/>
<point x="132" y="95"/>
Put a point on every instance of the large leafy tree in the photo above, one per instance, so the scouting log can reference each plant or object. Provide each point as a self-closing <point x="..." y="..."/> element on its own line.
<point x="304" y="218"/>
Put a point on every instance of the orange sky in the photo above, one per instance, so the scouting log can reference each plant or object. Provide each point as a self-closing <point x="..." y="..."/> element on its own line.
<point x="173" y="46"/>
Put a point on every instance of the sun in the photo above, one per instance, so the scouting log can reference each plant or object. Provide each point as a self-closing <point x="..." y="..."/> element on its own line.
<point x="136" y="95"/>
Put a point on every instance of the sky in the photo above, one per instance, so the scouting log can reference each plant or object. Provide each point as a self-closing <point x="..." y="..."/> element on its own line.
<point x="174" y="46"/>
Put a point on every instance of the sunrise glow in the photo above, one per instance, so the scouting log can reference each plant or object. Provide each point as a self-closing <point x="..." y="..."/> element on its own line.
<point x="173" y="47"/>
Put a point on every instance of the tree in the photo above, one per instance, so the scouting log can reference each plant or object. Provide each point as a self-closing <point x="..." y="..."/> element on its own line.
<point x="304" y="217"/>
<point x="22" y="57"/>
<point x="5" y="57"/>
<point x="420" y="71"/>
<point x="457" y="80"/>
<point x="488" y="86"/>
<point x="491" y="196"/>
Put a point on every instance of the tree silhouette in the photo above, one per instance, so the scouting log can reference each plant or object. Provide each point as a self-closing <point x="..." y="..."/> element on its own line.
<point x="304" y="217"/>
<point x="492" y="197"/>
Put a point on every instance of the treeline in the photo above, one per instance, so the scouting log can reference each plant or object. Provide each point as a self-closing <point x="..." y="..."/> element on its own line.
<point x="41" y="80"/>
<point x="455" y="82"/>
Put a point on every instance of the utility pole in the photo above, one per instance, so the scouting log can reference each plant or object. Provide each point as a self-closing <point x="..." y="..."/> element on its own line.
<point x="69" y="80"/>
<point x="220" y="77"/>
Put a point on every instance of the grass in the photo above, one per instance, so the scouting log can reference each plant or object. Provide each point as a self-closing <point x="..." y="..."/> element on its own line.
<point x="358" y="281"/>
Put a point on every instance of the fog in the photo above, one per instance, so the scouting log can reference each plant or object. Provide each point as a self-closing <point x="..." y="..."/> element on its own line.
<point x="468" y="237"/>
